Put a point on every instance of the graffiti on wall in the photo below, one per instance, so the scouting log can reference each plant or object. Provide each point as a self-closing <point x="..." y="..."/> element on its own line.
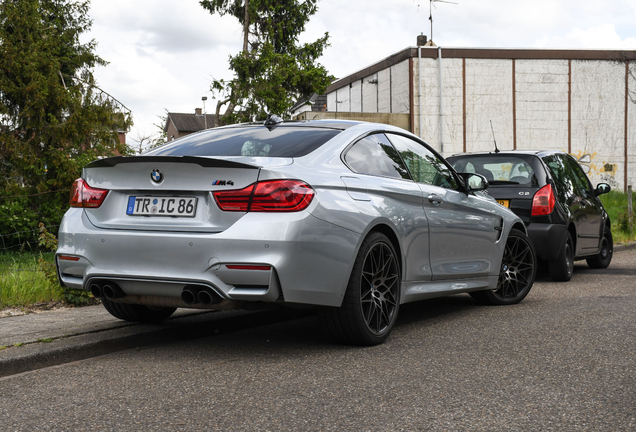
<point x="603" y="170"/>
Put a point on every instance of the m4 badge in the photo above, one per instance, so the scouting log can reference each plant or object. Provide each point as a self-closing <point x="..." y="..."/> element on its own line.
<point x="222" y="183"/>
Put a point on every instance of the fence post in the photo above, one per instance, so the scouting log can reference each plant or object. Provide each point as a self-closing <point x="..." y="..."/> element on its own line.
<point x="630" y="217"/>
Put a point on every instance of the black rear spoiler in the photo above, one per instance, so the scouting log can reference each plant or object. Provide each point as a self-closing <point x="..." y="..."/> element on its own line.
<point x="198" y="160"/>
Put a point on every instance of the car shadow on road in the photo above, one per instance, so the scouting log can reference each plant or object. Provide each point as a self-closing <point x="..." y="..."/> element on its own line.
<point x="435" y="308"/>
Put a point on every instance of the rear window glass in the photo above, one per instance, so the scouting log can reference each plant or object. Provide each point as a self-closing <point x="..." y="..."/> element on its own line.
<point x="249" y="141"/>
<point x="503" y="169"/>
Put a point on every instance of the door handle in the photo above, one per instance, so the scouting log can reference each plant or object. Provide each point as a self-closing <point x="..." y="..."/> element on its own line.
<point x="434" y="199"/>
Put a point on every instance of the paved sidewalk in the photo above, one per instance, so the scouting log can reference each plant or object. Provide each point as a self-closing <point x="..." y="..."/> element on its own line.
<point x="38" y="340"/>
<point x="34" y="327"/>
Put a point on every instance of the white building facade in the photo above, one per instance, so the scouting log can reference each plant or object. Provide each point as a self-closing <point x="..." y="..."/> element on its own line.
<point x="582" y="102"/>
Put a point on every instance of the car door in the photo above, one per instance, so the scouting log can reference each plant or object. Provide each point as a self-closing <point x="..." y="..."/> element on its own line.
<point x="589" y="217"/>
<point x="390" y="190"/>
<point x="462" y="231"/>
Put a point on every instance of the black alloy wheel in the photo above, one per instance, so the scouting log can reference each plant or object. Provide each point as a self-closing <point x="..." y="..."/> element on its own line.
<point x="604" y="257"/>
<point x="372" y="300"/>
<point x="516" y="274"/>
<point x="562" y="268"/>
<point x="378" y="296"/>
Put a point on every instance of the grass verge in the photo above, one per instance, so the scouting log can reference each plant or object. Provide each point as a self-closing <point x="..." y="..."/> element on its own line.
<point x="615" y="204"/>
<point x="22" y="282"/>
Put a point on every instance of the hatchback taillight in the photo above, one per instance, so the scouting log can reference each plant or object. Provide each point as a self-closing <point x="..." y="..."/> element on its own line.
<point x="543" y="201"/>
<point x="82" y="195"/>
<point x="267" y="196"/>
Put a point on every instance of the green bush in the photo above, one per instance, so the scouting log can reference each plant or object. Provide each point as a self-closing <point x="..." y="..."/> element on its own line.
<point x="21" y="214"/>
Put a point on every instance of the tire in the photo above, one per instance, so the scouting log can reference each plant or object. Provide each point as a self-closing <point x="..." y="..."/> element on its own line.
<point x="604" y="257"/>
<point x="516" y="274"/>
<point x="136" y="312"/>
<point x="562" y="267"/>
<point x="372" y="300"/>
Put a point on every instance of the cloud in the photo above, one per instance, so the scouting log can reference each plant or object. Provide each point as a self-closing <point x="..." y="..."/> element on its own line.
<point x="163" y="54"/>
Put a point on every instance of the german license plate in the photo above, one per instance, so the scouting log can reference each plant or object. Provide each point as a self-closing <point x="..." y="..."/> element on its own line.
<point x="161" y="206"/>
<point x="505" y="203"/>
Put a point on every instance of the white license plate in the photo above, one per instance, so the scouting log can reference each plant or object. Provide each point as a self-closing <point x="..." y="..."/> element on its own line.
<point x="161" y="206"/>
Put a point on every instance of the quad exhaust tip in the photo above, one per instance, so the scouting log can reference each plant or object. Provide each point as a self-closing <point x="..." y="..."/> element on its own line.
<point x="191" y="294"/>
<point x="106" y="289"/>
<point x="198" y="294"/>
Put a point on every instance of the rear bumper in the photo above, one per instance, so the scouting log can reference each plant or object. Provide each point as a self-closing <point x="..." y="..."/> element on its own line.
<point x="547" y="239"/>
<point x="310" y="259"/>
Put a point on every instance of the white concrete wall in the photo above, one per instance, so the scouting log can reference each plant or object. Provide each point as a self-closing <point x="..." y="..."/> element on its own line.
<point x="488" y="98"/>
<point x="542" y="88"/>
<point x="384" y="91"/>
<point x="331" y="102"/>
<point x="542" y="104"/>
<point x="370" y="94"/>
<point x="343" y="99"/>
<point x="400" y="102"/>
<point x="356" y="97"/>
<point x="631" y="129"/>
<point x="598" y="119"/>
<point x="452" y="109"/>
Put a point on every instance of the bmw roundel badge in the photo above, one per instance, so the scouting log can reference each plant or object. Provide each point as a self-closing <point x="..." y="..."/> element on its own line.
<point x="156" y="175"/>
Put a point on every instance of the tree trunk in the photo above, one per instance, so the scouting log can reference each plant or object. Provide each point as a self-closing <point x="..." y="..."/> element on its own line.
<point x="246" y="27"/>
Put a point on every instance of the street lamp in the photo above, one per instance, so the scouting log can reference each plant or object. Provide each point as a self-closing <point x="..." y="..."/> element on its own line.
<point x="205" y="117"/>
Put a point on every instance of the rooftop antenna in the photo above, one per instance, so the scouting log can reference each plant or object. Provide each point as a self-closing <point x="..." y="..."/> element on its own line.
<point x="493" y="137"/>
<point x="430" y="8"/>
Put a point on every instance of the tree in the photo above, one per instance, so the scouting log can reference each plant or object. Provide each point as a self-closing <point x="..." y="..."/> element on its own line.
<point x="53" y="117"/>
<point x="274" y="69"/>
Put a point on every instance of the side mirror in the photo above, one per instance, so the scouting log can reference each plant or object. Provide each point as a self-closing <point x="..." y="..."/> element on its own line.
<point x="474" y="182"/>
<point x="602" y="188"/>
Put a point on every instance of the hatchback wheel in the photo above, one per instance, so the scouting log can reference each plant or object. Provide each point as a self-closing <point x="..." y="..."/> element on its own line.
<point x="604" y="257"/>
<point x="137" y="312"/>
<point x="561" y="269"/>
<point x="516" y="274"/>
<point x="370" y="307"/>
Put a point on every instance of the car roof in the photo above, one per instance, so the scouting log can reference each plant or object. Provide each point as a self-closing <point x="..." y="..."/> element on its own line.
<point x="538" y="153"/>
<point x="327" y="124"/>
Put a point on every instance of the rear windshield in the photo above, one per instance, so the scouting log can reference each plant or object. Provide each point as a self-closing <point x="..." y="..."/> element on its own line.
<point x="249" y="141"/>
<point x="504" y="169"/>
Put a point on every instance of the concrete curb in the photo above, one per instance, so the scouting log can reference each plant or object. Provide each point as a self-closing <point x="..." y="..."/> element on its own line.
<point x="15" y="360"/>
<point x="625" y="246"/>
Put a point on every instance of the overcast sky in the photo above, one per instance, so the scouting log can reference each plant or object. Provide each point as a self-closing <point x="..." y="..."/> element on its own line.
<point x="163" y="54"/>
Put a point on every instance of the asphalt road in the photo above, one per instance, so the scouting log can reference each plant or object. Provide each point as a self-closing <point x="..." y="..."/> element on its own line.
<point x="562" y="360"/>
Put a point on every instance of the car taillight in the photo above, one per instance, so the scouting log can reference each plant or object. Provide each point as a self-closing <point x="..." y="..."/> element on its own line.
<point x="234" y="200"/>
<point x="82" y="195"/>
<point x="267" y="196"/>
<point x="543" y="201"/>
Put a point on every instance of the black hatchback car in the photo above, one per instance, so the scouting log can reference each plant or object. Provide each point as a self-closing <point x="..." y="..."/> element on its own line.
<point x="550" y="192"/>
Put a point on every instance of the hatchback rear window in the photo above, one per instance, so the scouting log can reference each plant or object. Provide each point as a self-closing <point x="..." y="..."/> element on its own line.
<point x="249" y="141"/>
<point x="504" y="169"/>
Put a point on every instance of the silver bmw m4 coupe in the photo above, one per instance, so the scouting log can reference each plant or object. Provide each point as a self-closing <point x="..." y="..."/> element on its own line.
<point x="352" y="218"/>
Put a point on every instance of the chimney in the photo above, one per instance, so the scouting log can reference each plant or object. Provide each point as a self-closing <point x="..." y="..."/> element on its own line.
<point x="421" y="40"/>
<point x="197" y="111"/>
